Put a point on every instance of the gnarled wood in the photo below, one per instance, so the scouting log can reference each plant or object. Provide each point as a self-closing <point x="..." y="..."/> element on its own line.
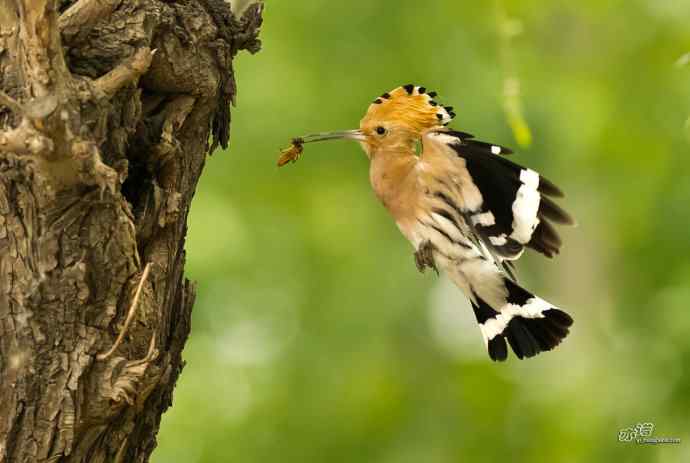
<point x="105" y="114"/>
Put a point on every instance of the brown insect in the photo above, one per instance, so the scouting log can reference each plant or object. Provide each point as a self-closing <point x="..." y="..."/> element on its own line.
<point x="291" y="153"/>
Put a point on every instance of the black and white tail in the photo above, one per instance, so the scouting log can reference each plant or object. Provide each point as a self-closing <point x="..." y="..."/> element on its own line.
<point x="504" y="310"/>
<point x="529" y="324"/>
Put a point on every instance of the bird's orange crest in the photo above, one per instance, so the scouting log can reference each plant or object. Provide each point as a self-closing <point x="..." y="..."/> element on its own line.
<point x="411" y="106"/>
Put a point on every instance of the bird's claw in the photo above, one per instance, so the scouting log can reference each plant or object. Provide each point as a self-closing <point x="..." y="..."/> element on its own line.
<point x="424" y="257"/>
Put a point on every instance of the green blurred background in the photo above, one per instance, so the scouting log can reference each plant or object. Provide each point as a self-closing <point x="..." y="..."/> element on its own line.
<point x="314" y="337"/>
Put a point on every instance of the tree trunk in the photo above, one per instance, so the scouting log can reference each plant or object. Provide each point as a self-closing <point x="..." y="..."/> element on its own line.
<point x="105" y="117"/>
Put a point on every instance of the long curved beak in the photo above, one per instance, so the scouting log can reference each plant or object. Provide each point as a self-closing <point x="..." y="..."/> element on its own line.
<point x="294" y="151"/>
<point x="323" y="136"/>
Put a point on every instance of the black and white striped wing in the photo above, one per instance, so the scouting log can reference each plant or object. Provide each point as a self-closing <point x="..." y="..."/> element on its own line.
<point x="515" y="206"/>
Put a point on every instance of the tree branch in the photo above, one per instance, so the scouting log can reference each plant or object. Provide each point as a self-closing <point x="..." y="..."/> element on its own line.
<point x="126" y="72"/>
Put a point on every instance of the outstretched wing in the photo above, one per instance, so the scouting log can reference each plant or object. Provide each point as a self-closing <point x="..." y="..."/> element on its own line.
<point x="506" y="206"/>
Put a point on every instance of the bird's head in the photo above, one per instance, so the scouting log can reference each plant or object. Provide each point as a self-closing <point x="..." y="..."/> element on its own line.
<point x="396" y="119"/>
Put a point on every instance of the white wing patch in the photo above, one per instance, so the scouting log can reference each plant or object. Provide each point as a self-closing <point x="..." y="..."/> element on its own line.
<point x="526" y="207"/>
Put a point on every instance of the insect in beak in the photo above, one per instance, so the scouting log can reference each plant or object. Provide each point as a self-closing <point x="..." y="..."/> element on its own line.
<point x="294" y="151"/>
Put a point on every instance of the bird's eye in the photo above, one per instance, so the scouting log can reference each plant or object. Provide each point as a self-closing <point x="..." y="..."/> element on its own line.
<point x="380" y="130"/>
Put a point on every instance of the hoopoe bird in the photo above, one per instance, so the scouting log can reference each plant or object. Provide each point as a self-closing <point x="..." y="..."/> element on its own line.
<point x="466" y="209"/>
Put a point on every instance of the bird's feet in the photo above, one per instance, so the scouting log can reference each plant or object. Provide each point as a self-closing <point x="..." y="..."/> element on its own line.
<point x="424" y="256"/>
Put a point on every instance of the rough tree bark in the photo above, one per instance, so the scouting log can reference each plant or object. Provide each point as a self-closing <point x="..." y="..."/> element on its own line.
<point x="105" y="115"/>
